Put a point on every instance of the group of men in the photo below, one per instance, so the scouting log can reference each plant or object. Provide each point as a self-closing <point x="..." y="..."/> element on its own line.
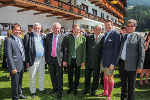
<point x="96" y="53"/>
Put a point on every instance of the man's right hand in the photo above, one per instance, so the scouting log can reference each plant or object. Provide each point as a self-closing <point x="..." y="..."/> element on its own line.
<point x="14" y="71"/>
<point x="28" y="65"/>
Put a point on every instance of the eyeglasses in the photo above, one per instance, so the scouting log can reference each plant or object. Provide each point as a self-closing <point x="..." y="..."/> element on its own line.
<point x="130" y="26"/>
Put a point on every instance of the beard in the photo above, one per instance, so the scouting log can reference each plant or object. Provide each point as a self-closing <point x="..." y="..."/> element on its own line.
<point x="36" y="33"/>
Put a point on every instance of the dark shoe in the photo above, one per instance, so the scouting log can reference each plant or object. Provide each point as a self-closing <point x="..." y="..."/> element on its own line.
<point x="59" y="95"/>
<point x="85" y="92"/>
<point x="93" y="93"/>
<point x="69" y="91"/>
<point x="32" y="95"/>
<point x="44" y="92"/>
<point x="53" y="91"/>
<point x="75" y="92"/>
<point x="22" y="97"/>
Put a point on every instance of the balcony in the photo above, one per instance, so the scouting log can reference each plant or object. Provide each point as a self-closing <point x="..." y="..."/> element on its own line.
<point x="53" y="8"/>
<point x="106" y="6"/>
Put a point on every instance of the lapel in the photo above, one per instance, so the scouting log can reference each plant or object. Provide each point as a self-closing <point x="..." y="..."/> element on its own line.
<point x="14" y="41"/>
<point x="131" y="37"/>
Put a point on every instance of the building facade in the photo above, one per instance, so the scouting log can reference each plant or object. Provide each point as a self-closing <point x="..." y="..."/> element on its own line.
<point x="86" y="13"/>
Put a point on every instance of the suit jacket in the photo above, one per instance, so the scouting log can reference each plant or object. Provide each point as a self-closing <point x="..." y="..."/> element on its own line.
<point x="93" y="51"/>
<point x="110" y="49"/>
<point x="61" y="50"/>
<point x="13" y="54"/>
<point x="80" y="46"/>
<point x="135" y="52"/>
<point x="29" y="45"/>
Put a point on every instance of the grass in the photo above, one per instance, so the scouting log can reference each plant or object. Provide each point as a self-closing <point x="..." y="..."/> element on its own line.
<point x="142" y="92"/>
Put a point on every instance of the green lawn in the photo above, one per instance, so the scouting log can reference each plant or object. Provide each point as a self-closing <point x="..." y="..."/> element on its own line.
<point x="142" y="93"/>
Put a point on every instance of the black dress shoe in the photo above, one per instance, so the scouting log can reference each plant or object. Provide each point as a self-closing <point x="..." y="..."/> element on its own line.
<point x="69" y="91"/>
<point x="59" y="95"/>
<point x="93" y="93"/>
<point x="85" y="92"/>
<point x="53" y="91"/>
<point x="75" y="92"/>
<point x="32" y="95"/>
<point x="22" y="97"/>
<point x="44" y="92"/>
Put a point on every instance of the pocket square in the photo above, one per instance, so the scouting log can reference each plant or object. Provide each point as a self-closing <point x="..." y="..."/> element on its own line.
<point x="109" y="40"/>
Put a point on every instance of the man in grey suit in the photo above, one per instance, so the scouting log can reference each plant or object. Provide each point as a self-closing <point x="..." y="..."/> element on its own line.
<point x="131" y="59"/>
<point x="15" y="57"/>
<point x="56" y="57"/>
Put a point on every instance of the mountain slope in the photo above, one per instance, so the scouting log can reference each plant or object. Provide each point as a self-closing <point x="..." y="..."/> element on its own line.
<point x="142" y="15"/>
<point x="138" y="2"/>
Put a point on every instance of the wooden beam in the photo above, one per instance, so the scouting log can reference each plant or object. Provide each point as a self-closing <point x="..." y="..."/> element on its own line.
<point x="27" y="8"/>
<point x="53" y="15"/>
<point x="42" y="12"/>
<point x="94" y="2"/>
<point x="7" y="4"/>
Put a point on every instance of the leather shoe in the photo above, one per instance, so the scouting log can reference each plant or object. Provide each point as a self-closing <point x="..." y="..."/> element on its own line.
<point x="75" y="92"/>
<point x="85" y="92"/>
<point x="93" y="93"/>
<point x="69" y="91"/>
<point x="44" y="92"/>
<point x="22" y="97"/>
<point x="53" y="91"/>
<point x="32" y="95"/>
<point x="59" y="95"/>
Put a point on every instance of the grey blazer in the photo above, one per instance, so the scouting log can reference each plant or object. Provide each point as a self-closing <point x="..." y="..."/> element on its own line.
<point x="13" y="54"/>
<point x="135" y="52"/>
<point x="61" y="50"/>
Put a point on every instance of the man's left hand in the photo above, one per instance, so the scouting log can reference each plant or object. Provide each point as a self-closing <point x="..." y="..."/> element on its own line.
<point x="83" y="65"/>
<point x="138" y="70"/>
<point x="64" y="64"/>
<point x="111" y="67"/>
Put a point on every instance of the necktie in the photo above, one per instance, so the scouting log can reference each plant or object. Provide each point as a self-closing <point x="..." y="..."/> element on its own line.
<point x="21" y="49"/>
<point x="95" y="38"/>
<point x="54" y="47"/>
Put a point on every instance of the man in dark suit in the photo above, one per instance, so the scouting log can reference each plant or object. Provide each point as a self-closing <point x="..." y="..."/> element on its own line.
<point x="15" y="57"/>
<point x="35" y="58"/>
<point x="93" y="58"/>
<point x="131" y="59"/>
<point x="111" y="45"/>
<point x="56" y="57"/>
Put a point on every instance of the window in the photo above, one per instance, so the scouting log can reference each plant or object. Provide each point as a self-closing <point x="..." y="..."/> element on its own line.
<point x="94" y="12"/>
<point x="102" y="15"/>
<point x="84" y="7"/>
<point x="85" y="27"/>
<point x="107" y="17"/>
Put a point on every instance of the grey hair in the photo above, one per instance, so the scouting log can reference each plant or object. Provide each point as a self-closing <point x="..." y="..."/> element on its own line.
<point x="56" y="23"/>
<point x="37" y="24"/>
<point x="132" y="21"/>
<point x="98" y="25"/>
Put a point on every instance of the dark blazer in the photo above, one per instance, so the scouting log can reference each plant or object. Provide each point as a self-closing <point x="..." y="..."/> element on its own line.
<point x="61" y="49"/>
<point x="111" y="49"/>
<point x="14" y="58"/>
<point x="29" y="45"/>
<point x="93" y="51"/>
<point x="135" y="52"/>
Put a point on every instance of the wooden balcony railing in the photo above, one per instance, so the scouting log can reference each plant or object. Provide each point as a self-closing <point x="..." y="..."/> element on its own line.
<point x="77" y="10"/>
<point x="106" y="6"/>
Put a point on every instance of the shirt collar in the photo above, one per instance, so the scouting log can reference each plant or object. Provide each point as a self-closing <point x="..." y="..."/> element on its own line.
<point x="15" y="37"/>
<point x="75" y="36"/>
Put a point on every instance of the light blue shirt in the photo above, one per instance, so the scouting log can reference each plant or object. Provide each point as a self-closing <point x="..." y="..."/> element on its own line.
<point x="56" y="42"/>
<point x="123" y="54"/>
<point x="108" y="33"/>
<point x="39" y="46"/>
<point x="74" y="50"/>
